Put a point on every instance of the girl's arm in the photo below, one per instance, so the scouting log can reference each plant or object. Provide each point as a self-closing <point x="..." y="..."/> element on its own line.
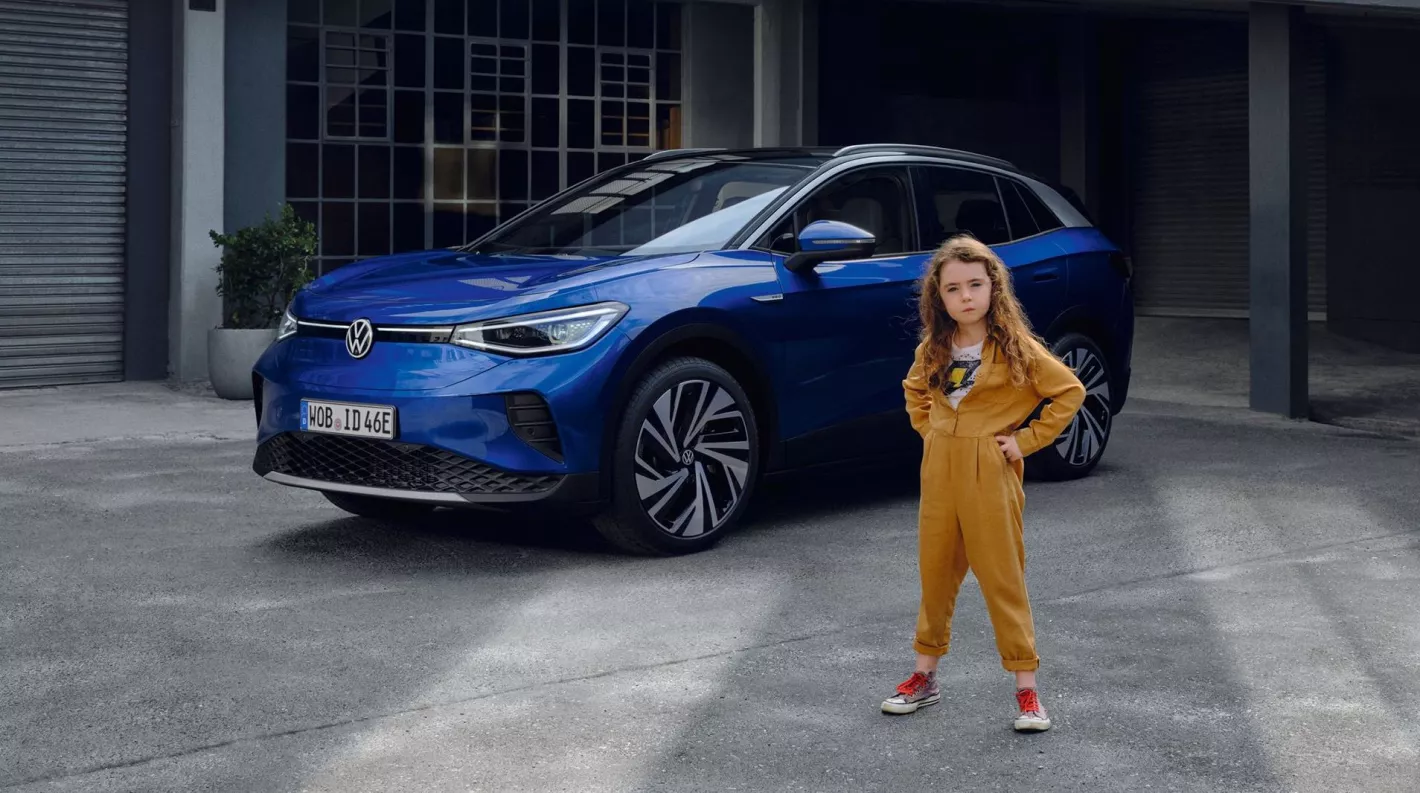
<point x="1056" y="382"/>
<point x="918" y="393"/>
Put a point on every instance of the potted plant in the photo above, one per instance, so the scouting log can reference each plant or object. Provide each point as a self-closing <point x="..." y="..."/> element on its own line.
<point x="262" y="268"/>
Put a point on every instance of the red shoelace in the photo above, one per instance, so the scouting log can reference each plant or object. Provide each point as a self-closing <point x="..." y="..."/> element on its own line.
<point x="1029" y="700"/>
<point x="913" y="684"/>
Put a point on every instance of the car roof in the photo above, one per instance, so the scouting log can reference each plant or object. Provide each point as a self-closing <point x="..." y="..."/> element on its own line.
<point x="818" y="155"/>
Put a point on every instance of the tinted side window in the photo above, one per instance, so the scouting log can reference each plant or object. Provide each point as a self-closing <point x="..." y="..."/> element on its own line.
<point x="874" y="199"/>
<point x="1045" y="219"/>
<point x="955" y="199"/>
<point x="1022" y="224"/>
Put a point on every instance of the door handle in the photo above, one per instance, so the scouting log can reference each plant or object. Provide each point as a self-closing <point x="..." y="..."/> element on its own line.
<point x="1049" y="275"/>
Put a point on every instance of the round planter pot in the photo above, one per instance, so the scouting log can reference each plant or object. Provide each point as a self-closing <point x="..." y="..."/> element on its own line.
<point x="231" y="354"/>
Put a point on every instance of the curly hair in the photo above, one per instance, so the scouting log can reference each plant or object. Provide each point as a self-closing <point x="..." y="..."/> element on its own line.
<point x="1007" y="326"/>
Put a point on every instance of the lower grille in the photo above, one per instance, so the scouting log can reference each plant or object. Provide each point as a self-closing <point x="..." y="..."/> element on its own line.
<point x="391" y="465"/>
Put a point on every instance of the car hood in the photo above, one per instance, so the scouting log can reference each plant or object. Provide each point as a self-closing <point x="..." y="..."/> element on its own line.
<point x="443" y="287"/>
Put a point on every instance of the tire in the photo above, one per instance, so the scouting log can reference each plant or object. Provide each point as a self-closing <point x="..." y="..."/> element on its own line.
<point x="383" y="509"/>
<point x="670" y="497"/>
<point x="1082" y="443"/>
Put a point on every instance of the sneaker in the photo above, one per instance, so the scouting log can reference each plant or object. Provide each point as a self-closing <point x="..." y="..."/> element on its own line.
<point x="917" y="691"/>
<point x="1032" y="718"/>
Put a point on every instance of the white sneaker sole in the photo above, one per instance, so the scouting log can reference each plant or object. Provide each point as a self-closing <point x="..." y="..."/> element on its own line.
<point x="1032" y="725"/>
<point x="911" y="707"/>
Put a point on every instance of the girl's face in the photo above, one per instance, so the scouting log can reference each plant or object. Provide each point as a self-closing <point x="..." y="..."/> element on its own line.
<point x="966" y="291"/>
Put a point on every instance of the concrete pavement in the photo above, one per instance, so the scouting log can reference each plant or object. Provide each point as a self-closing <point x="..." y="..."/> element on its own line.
<point x="1228" y="604"/>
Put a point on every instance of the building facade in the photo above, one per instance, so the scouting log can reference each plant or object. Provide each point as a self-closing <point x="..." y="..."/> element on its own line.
<point x="1254" y="159"/>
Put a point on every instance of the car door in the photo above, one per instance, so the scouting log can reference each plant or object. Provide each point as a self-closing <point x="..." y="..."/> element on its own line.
<point x="849" y="327"/>
<point x="953" y="199"/>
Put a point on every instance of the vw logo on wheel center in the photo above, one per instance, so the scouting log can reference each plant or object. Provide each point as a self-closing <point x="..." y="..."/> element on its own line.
<point x="687" y="457"/>
<point x="359" y="338"/>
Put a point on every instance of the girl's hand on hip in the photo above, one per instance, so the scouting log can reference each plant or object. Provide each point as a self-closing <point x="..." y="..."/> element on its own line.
<point x="1009" y="447"/>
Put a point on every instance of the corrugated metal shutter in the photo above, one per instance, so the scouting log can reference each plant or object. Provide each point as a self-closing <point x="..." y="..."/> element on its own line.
<point x="63" y="132"/>
<point x="1190" y="169"/>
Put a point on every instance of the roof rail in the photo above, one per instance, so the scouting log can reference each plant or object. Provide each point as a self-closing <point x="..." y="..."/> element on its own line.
<point x="656" y="155"/>
<point x="915" y="148"/>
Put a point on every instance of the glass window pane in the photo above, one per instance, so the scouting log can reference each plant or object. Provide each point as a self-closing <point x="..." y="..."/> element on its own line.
<point x="410" y="16"/>
<point x="448" y="118"/>
<point x="303" y="112"/>
<point x="341" y="12"/>
<point x="448" y="63"/>
<point x="337" y="232"/>
<point x="514" y="20"/>
<point x="581" y="71"/>
<point x="482" y="218"/>
<point x="668" y="127"/>
<point x="581" y="22"/>
<point x="508" y="211"/>
<point x="546" y="69"/>
<point x="308" y="211"/>
<point x="408" y="117"/>
<point x="668" y="76"/>
<point x="482" y="175"/>
<point x="375" y="14"/>
<point x="608" y="160"/>
<point x="374" y="172"/>
<point x="640" y="24"/>
<point x="513" y="85"/>
<point x="374" y="113"/>
<point x="546" y="20"/>
<point x="448" y="225"/>
<point x="374" y="230"/>
<point x="954" y="199"/>
<point x="1022" y="224"/>
<point x="513" y="175"/>
<point x="1044" y="217"/>
<point x="409" y="61"/>
<point x="307" y="11"/>
<point x="409" y="172"/>
<point x="340" y="112"/>
<point x="448" y="174"/>
<point x="546" y="126"/>
<point x="448" y="17"/>
<point x="302" y="170"/>
<point x="545" y="178"/>
<point x="512" y="119"/>
<point x="302" y="54"/>
<point x="408" y="228"/>
<point x="581" y="124"/>
<point x="580" y="166"/>
<point x="668" y="26"/>
<point x="483" y="18"/>
<point x="613" y="124"/>
<point x="483" y="117"/>
<point x="611" y="23"/>
<point x="638" y="124"/>
<point x="338" y="171"/>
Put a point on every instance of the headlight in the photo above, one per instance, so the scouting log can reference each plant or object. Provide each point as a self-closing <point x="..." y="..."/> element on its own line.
<point x="287" y="327"/>
<point x="560" y="330"/>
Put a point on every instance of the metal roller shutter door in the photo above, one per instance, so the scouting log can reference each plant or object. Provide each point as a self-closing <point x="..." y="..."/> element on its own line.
<point x="1190" y="199"/>
<point x="63" y="136"/>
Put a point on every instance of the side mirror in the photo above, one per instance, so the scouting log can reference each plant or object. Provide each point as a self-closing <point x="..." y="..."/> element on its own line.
<point x="830" y="240"/>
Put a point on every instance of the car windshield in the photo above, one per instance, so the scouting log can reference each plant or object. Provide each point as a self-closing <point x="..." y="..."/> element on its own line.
<point x="664" y="206"/>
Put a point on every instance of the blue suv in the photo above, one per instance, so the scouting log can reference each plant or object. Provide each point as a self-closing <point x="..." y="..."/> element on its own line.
<point x="648" y="344"/>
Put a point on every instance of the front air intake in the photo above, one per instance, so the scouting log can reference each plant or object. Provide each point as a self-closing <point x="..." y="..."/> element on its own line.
<point x="531" y="420"/>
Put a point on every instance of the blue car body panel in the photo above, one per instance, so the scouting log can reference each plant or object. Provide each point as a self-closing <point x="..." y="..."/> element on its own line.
<point x="829" y="347"/>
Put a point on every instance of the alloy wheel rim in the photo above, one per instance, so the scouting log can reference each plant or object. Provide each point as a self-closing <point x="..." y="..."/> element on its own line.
<point x="692" y="458"/>
<point x="1083" y="440"/>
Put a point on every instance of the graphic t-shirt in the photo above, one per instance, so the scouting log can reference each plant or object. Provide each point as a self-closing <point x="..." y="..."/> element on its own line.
<point x="961" y="375"/>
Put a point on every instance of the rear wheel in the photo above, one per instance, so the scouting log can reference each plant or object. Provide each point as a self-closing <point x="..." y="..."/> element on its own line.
<point x="685" y="462"/>
<point x="1081" y="444"/>
<point x="385" y="509"/>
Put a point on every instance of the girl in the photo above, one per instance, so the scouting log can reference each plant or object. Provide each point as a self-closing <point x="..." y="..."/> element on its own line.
<point x="978" y="374"/>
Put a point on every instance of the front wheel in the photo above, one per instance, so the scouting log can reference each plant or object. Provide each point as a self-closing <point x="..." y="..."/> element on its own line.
<point x="1081" y="444"/>
<point x="685" y="462"/>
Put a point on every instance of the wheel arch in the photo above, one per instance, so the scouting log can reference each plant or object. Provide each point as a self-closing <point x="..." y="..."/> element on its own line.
<point x="1080" y="319"/>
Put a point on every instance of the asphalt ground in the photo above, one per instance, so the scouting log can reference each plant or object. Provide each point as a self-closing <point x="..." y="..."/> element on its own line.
<point x="1227" y="604"/>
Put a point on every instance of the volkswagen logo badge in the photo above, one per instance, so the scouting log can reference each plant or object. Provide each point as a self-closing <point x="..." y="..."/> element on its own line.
<point x="359" y="338"/>
<point x="687" y="457"/>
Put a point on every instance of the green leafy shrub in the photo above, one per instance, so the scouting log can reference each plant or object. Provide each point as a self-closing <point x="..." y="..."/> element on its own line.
<point x="262" y="268"/>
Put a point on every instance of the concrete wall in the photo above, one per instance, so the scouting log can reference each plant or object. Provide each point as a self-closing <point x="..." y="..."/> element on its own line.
<point x="255" y="110"/>
<point x="150" y="81"/>
<point x="719" y="74"/>
<point x="198" y="143"/>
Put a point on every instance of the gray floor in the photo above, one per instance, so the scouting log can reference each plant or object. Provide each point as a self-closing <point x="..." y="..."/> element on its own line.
<point x="1228" y="604"/>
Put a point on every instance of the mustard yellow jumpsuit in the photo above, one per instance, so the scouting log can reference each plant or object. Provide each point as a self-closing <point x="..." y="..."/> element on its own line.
<point x="972" y="499"/>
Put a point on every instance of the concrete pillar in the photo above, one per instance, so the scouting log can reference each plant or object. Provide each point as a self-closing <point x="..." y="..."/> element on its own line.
<point x="779" y="74"/>
<point x="1278" y="236"/>
<point x="198" y="143"/>
<point x="1080" y="109"/>
<point x="255" y="150"/>
<point x="718" y="81"/>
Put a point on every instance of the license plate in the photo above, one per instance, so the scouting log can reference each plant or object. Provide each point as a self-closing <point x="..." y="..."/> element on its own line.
<point x="343" y="418"/>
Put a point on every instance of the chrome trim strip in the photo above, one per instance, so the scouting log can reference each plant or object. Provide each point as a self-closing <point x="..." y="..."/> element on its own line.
<point x="767" y="298"/>
<point x="360" y="490"/>
<point x="413" y="329"/>
<point x="321" y="324"/>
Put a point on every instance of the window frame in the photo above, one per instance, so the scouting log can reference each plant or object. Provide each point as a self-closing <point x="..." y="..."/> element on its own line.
<point x="790" y="210"/>
<point x="326" y="31"/>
